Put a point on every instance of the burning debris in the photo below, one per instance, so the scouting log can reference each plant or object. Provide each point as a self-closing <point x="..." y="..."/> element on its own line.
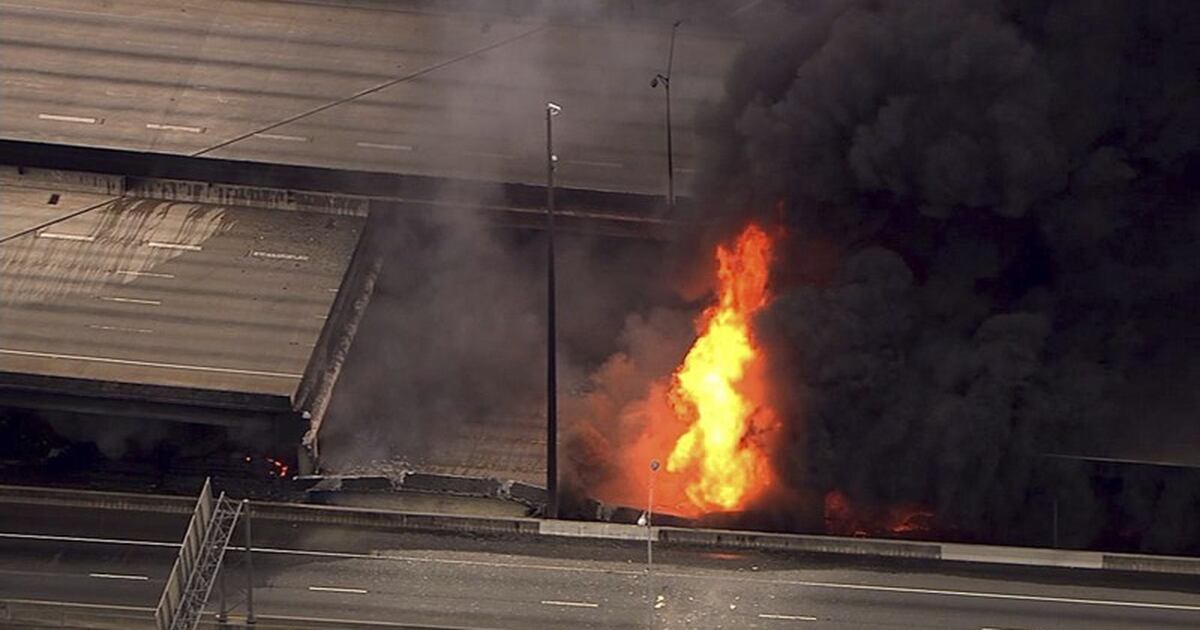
<point x="1005" y="195"/>
<point x="719" y="391"/>
<point x="709" y="419"/>
<point x="992" y="211"/>
<point x="898" y="521"/>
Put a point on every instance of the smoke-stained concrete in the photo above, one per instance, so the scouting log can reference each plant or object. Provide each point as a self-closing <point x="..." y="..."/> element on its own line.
<point x="453" y="343"/>
<point x="991" y="211"/>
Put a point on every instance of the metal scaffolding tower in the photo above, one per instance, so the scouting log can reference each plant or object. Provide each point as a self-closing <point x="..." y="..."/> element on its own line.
<point x="195" y="571"/>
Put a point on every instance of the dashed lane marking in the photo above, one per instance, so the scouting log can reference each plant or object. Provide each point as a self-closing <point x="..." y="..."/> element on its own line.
<point x="67" y="237"/>
<point x="786" y="617"/>
<point x="120" y="328"/>
<point x="278" y="255"/>
<point x="142" y="274"/>
<point x="384" y="146"/>
<point x="125" y="300"/>
<point x="170" y="127"/>
<point x="338" y="589"/>
<point x="119" y="576"/>
<point x="600" y="164"/>
<point x="282" y="136"/>
<point x="85" y="120"/>
<point x="555" y="602"/>
<point x="182" y="246"/>
<point x="153" y="364"/>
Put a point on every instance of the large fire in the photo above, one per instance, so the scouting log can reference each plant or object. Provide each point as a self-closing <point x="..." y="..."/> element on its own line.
<point x="717" y="390"/>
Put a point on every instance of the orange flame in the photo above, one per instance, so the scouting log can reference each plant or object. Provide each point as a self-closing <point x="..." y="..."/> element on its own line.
<point x="718" y="392"/>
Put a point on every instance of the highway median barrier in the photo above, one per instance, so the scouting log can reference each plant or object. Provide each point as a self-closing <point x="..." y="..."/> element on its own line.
<point x="1023" y="555"/>
<point x="730" y="539"/>
<point x="118" y="501"/>
<point x="1138" y="563"/>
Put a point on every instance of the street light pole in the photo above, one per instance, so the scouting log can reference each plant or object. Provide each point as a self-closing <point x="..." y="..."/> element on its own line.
<point x="647" y="519"/>
<point x="552" y="110"/>
<point x="650" y="518"/>
<point x="665" y="79"/>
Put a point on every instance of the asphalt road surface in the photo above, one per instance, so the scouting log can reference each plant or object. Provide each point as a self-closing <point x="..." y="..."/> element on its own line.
<point x="166" y="293"/>
<point x="305" y="572"/>
<point x="441" y="94"/>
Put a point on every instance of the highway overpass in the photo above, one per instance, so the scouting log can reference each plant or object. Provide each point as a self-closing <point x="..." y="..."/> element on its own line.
<point x="173" y="289"/>
<point x="397" y="87"/>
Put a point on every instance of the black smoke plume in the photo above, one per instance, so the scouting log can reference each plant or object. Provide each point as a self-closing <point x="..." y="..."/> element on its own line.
<point x="992" y="212"/>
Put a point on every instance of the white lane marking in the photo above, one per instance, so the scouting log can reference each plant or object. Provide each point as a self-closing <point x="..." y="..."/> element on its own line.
<point x="85" y="606"/>
<point x="170" y="127"/>
<point x="333" y="290"/>
<point x="369" y="623"/>
<point x="113" y="298"/>
<point x="66" y="237"/>
<point x="281" y="136"/>
<point x="786" y="617"/>
<point x="119" y="328"/>
<point x="555" y="602"/>
<point x="488" y="154"/>
<point x="338" y="589"/>
<point x="182" y="246"/>
<point x="119" y="576"/>
<point x="86" y="120"/>
<point x="154" y="364"/>
<point x="595" y="163"/>
<point x="690" y="576"/>
<point x="386" y="147"/>
<point x="278" y="255"/>
<point x="145" y="274"/>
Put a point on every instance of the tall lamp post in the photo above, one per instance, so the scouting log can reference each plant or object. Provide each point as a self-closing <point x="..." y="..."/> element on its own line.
<point x="647" y="520"/>
<point x="665" y="80"/>
<point x="552" y="110"/>
<point x="650" y="518"/>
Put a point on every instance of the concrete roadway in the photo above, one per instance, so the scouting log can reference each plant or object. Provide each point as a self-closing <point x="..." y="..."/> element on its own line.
<point x="184" y="294"/>
<point x="391" y="579"/>
<point x="460" y="95"/>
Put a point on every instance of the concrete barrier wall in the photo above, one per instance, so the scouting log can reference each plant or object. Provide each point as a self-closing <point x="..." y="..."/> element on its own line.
<point x="358" y="517"/>
<point x="1023" y="555"/>
<point x="61" y="180"/>
<point x="1151" y="564"/>
<point x="124" y="501"/>
<point x="587" y="529"/>
<point x="802" y="543"/>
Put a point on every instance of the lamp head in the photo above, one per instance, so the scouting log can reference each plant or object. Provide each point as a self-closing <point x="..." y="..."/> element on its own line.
<point x="553" y="109"/>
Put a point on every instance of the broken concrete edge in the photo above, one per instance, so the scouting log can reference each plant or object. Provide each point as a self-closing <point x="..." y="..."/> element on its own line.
<point x="171" y="177"/>
<point x="24" y="382"/>
<point x="62" y="180"/>
<point x="705" y="538"/>
<point x="528" y="495"/>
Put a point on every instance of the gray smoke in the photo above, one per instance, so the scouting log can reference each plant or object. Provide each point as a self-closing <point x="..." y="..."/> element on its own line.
<point x="993" y="215"/>
<point x="455" y="334"/>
